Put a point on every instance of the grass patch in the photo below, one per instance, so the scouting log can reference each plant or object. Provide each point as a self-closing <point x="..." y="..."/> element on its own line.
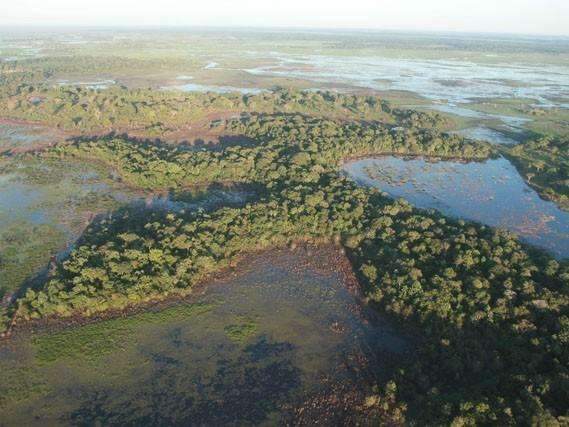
<point x="91" y="342"/>
<point x="20" y="383"/>
<point x="243" y="329"/>
<point x="24" y="250"/>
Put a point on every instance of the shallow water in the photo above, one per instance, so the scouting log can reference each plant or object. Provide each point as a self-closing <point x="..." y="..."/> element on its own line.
<point x="492" y="193"/>
<point x="21" y="137"/>
<point x="451" y="83"/>
<point x="256" y="344"/>
<point x="438" y="79"/>
<point x="462" y="110"/>
<point x="194" y="87"/>
<point x="17" y="200"/>
<point x="96" y="84"/>
<point x="486" y="134"/>
<point x="56" y="203"/>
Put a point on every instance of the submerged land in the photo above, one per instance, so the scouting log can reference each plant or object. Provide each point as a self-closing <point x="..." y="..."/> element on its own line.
<point x="242" y="227"/>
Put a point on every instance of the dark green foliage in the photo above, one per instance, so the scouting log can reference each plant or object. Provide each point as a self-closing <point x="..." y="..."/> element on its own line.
<point x="545" y="165"/>
<point x="290" y="147"/>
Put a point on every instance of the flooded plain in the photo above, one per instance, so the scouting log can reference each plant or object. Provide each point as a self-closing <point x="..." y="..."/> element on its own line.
<point x="490" y="192"/>
<point x="46" y="205"/>
<point x="448" y="79"/>
<point x="251" y="348"/>
<point x="15" y="137"/>
<point x="486" y="134"/>
<point x="451" y="85"/>
<point x="195" y="87"/>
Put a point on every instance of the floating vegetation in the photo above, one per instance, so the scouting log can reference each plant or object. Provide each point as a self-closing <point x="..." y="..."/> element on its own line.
<point x="242" y="330"/>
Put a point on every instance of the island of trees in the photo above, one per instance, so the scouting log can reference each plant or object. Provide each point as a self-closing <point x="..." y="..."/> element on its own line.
<point x="544" y="162"/>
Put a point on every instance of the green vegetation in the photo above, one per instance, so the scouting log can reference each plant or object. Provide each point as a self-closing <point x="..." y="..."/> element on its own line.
<point x="94" y="341"/>
<point x="544" y="163"/>
<point x="240" y="331"/>
<point x="20" y="383"/>
<point x="24" y="249"/>
<point x="287" y="146"/>
<point x="492" y="312"/>
<point x="81" y="109"/>
<point x="541" y="121"/>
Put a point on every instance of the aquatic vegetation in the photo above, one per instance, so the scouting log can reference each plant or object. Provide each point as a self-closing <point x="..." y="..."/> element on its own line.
<point x="489" y="314"/>
<point x="25" y="249"/>
<point x="240" y="331"/>
<point x="94" y="341"/>
<point x="181" y="366"/>
<point x="20" y="383"/>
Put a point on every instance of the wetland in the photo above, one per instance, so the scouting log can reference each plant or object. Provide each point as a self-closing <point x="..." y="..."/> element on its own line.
<point x="283" y="227"/>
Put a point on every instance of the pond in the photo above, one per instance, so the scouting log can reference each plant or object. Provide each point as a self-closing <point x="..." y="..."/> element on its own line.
<point x="250" y="348"/>
<point x="492" y="193"/>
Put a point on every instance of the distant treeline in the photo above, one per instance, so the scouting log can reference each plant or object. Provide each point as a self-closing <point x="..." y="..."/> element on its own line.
<point x="82" y="109"/>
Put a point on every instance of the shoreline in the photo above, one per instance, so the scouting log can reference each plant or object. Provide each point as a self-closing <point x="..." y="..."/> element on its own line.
<point x="337" y="263"/>
<point x="411" y="156"/>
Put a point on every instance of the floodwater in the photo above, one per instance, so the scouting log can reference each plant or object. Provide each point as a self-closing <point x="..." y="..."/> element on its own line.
<point x="194" y="87"/>
<point x="492" y="193"/>
<point x="450" y="83"/>
<point x="24" y="137"/>
<point x="486" y="134"/>
<point x="461" y="109"/>
<point x="65" y="197"/>
<point x="17" y="200"/>
<point x="255" y="345"/>
<point x="453" y="80"/>
<point x="62" y="200"/>
<point x="96" y="84"/>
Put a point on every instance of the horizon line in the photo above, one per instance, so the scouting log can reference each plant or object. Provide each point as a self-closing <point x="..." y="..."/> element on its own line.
<point x="83" y="26"/>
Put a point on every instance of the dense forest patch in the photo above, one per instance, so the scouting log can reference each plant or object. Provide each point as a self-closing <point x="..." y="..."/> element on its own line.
<point x="544" y="163"/>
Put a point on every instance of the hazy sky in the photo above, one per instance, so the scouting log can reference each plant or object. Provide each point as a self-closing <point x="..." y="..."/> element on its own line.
<point x="518" y="16"/>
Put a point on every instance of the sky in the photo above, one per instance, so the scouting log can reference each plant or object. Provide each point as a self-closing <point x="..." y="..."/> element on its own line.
<point x="549" y="17"/>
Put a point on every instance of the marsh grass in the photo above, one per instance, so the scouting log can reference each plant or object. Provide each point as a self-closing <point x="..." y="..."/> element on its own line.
<point x="93" y="341"/>
<point x="241" y="330"/>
